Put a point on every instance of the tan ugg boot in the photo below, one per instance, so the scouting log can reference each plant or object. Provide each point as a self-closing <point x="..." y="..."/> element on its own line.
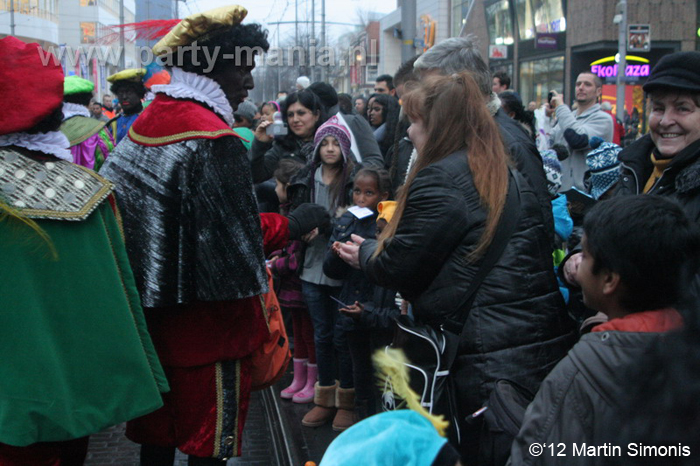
<point x="345" y="402"/>
<point x="324" y="398"/>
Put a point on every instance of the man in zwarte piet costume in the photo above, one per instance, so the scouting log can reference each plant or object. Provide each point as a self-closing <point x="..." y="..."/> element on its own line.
<point x="76" y="355"/>
<point x="128" y="86"/>
<point x="194" y="239"/>
<point x="90" y="142"/>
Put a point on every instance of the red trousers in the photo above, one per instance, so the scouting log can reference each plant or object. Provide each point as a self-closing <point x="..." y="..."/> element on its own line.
<point x="68" y="453"/>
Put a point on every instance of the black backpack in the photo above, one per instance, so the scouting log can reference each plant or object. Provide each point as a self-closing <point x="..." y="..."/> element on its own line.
<point x="503" y="417"/>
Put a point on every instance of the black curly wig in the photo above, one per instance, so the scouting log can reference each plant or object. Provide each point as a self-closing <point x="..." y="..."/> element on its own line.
<point x="236" y="46"/>
<point x="81" y="98"/>
<point x="52" y="122"/>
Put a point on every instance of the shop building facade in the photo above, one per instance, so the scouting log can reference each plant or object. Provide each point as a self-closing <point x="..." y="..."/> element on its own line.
<point x="30" y="21"/>
<point x="544" y="44"/>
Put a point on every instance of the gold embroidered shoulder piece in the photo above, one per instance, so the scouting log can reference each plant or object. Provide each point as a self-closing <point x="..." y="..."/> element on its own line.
<point x="56" y="190"/>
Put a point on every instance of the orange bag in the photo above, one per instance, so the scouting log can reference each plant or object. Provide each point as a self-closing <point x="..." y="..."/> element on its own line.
<point x="270" y="361"/>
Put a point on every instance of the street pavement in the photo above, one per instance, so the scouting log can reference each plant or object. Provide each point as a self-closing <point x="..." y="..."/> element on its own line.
<point x="273" y="436"/>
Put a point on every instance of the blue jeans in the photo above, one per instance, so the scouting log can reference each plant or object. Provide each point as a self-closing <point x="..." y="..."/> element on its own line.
<point x="328" y="337"/>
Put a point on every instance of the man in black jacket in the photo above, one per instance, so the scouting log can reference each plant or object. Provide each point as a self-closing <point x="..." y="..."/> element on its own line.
<point x="459" y="54"/>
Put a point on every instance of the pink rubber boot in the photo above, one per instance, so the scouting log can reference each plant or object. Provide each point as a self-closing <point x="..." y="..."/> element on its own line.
<point x="306" y="394"/>
<point x="299" y="381"/>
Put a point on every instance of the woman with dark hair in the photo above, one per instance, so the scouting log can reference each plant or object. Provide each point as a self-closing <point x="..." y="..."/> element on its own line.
<point x="383" y="113"/>
<point x="446" y="218"/>
<point x="303" y="113"/>
<point x="511" y="104"/>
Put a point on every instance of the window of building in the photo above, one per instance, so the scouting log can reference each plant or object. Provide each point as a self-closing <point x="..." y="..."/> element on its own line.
<point x="498" y="19"/>
<point x="539" y="16"/>
<point x="526" y="24"/>
<point x="88" y="2"/>
<point x="371" y="73"/>
<point x="548" y="16"/>
<point x="538" y="77"/>
<point x="87" y="32"/>
<point x="39" y="8"/>
<point x="111" y="5"/>
<point x="26" y="7"/>
<point x="460" y="13"/>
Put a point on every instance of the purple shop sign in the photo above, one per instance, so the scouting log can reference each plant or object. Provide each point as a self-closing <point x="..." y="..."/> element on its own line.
<point x="631" y="71"/>
<point x="546" y="40"/>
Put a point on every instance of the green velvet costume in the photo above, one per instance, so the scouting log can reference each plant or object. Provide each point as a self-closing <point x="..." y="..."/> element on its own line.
<point x="76" y="354"/>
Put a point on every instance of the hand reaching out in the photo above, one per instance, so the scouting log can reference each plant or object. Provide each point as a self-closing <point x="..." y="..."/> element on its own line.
<point x="354" y="311"/>
<point x="350" y="251"/>
<point x="310" y="236"/>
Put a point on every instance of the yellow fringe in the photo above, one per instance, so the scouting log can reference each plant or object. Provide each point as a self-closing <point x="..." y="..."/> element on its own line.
<point x="391" y="368"/>
<point x="9" y="213"/>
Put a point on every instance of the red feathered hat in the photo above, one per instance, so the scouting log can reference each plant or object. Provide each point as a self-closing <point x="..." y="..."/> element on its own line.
<point x="29" y="89"/>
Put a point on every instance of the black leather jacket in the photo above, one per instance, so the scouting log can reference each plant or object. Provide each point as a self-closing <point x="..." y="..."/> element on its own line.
<point x="517" y="328"/>
<point x="528" y="161"/>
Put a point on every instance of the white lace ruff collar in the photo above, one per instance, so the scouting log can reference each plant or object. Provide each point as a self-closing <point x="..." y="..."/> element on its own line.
<point x="53" y="143"/>
<point x="185" y="85"/>
<point x="71" y="110"/>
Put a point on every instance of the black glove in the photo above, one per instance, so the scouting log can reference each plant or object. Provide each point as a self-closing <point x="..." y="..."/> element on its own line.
<point x="305" y="218"/>
<point x="575" y="140"/>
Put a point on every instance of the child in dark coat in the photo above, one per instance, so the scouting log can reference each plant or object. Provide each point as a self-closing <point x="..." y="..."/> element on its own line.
<point x="365" y="308"/>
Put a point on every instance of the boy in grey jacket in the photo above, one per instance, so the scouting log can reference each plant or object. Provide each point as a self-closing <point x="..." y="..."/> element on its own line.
<point x="638" y="255"/>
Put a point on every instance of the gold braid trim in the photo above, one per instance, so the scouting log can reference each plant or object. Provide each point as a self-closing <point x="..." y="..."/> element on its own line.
<point x="219" y="409"/>
<point x="179" y="136"/>
<point x="118" y="216"/>
<point x="238" y="406"/>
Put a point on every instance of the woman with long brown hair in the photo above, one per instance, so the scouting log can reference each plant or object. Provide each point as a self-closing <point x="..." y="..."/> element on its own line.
<point x="446" y="218"/>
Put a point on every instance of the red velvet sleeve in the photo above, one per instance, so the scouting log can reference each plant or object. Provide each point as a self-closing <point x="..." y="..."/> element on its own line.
<point x="275" y="229"/>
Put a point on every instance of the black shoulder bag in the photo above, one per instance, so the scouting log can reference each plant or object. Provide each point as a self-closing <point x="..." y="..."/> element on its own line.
<point x="431" y="351"/>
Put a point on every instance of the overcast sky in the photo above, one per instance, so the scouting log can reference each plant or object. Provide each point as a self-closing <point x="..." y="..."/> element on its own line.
<point x="269" y="11"/>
